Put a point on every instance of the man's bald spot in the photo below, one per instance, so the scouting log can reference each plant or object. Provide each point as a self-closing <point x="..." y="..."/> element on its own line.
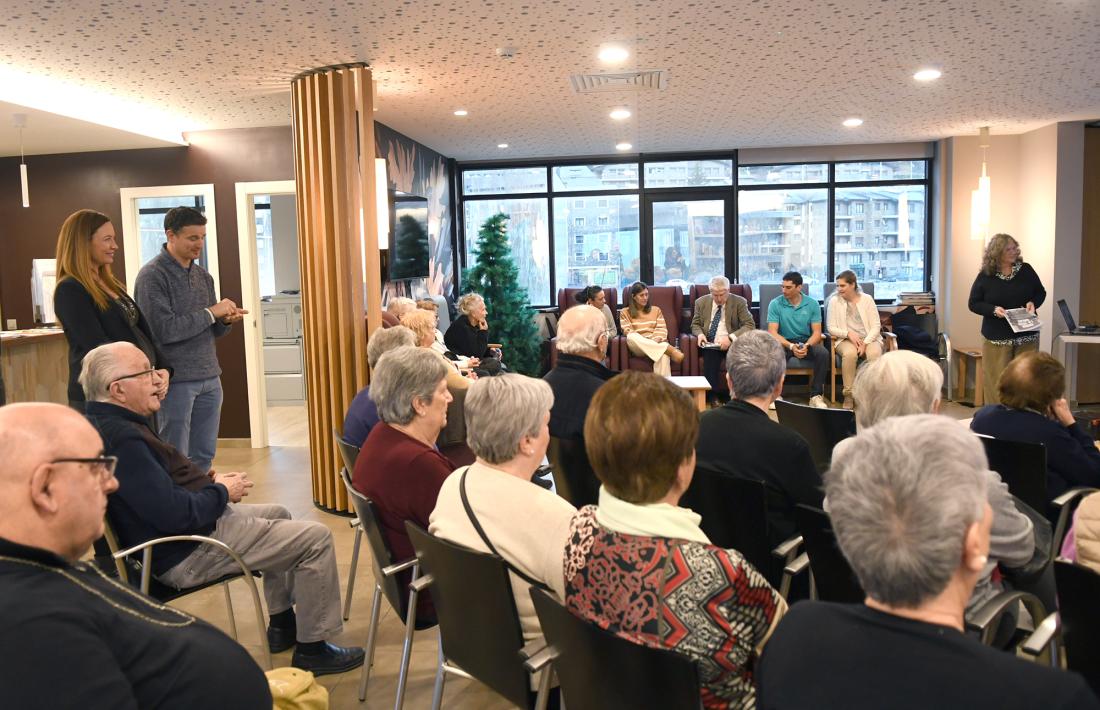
<point x="33" y="433"/>
<point x="579" y="318"/>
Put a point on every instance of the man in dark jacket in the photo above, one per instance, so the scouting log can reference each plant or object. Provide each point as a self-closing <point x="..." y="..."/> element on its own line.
<point x="162" y="493"/>
<point x="582" y="342"/>
<point x="739" y="439"/>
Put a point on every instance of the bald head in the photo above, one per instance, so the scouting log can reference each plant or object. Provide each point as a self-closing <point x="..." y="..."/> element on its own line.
<point x="34" y="433"/>
<point x="579" y="331"/>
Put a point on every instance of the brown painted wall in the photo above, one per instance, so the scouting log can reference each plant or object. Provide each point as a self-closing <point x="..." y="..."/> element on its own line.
<point x="62" y="184"/>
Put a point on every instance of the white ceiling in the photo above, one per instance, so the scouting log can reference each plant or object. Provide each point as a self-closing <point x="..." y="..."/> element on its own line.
<point x="740" y="74"/>
<point x="48" y="133"/>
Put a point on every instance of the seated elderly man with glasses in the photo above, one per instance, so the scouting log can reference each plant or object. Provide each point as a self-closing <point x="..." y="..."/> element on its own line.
<point x="161" y="493"/>
<point x="69" y="636"/>
<point x="719" y="319"/>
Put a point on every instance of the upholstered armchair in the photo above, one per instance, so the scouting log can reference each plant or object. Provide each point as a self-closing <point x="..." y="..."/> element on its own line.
<point x="698" y="291"/>
<point x="670" y="300"/>
<point x="567" y="298"/>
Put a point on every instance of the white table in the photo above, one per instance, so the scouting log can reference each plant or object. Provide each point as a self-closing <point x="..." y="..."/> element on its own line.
<point x="1065" y="350"/>
<point x="697" y="387"/>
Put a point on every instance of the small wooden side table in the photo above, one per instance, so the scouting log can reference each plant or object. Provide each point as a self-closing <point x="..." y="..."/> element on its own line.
<point x="696" y="386"/>
<point x="965" y="355"/>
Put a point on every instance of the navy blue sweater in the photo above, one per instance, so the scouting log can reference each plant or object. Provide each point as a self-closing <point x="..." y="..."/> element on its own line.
<point x="148" y="503"/>
<point x="1072" y="457"/>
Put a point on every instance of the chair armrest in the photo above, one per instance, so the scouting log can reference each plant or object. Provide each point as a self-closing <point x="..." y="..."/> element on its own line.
<point x="890" y="340"/>
<point x="421" y="583"/>
<point x="540" y="659"/>
<point x="1071" y="495"/>
<point x="785" y="548"/>
<point x="353" y="523"/>
<point x="1040" y="638"/>
<point x="982" y="618"/>
<point x="146" y="550"/>
<point x="495" y="346"/>
<point x="1064" y="504"/>
<point x="796" y="565"/>
<point x="533" y="647"/>
<point x="399" y="567"/>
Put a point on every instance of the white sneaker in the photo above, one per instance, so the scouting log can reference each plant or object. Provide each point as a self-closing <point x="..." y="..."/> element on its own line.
<point x="818" y="401"/>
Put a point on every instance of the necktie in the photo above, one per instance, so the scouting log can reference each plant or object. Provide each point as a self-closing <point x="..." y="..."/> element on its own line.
<point x="714" y="323"/>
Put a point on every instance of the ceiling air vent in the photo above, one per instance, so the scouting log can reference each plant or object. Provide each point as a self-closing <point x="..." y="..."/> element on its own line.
<point x="655" y="79"/>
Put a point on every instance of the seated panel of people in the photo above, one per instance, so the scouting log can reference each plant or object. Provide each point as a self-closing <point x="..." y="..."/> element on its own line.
<point x="70" y="637"/>
<point x="362" y="413"/>
<point x="719" y="319"/>
<point x="908" y="503"/>
<point x="507" y="420"/>
<point x="1033" y="409"/>
<point x="162" y="493"/>
<point x="739" y="438"/>
<point x="638" y="561"/>
<point x="902" y="383"/>
<point x="794" y="319"/>
<point x="855" y="325"/>
<point x="399" y="467"/>
<point x="646" y="331"/>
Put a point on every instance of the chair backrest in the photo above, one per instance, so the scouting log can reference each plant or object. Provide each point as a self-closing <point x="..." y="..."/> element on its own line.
<point x="734" y="512"/>
<point x="768" y="293"/>
<point x="830" y="287"/>
<point x="444" y="313"/>
<point x="833" y="576"/>
<point x="567" y="298"/>
<point x="348" y="452"/>
<point x="573" y="474"/>
<point x="598" y="670"/>
<point x="381" y="555"/>
<point x="821" y="428"/>
<point x="700" y="290"/>
<point x="1078" y="590"/>
<point x="669" y="299"/>
<point x="1023" y="467"/>
<point x="478" y="623"/>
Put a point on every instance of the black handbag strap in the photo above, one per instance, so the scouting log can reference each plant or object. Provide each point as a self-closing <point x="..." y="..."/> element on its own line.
<point x="485" y="538"/>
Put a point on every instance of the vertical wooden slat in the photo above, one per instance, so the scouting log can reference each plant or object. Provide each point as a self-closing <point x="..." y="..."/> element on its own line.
<point x="334" y="170"/>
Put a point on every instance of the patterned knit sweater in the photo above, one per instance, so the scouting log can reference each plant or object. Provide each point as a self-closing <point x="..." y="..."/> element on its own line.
<point x="650" y="325"/>
<point x="699" y="600"/>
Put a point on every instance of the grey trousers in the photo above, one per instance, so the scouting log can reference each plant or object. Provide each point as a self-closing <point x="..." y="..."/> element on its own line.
<point x="296" y="557"/>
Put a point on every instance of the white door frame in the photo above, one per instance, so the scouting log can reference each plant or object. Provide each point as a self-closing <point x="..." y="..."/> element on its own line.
<point x="250" y="301"/>
<point x="132" y="255"/>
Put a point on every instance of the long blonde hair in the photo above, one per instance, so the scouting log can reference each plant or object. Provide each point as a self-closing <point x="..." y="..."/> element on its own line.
<point x="991" y="260"/>
<point x="74" y="260"/>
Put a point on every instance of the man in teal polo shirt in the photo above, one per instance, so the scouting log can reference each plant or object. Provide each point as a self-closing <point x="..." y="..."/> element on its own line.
<point x="795" y="321"/>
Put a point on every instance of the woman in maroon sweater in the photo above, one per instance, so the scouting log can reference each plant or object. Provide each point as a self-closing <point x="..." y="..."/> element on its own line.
<point x="399" y="467"/>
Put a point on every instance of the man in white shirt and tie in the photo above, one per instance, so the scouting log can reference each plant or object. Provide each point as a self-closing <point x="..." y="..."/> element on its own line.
<point x="719" y="318"/>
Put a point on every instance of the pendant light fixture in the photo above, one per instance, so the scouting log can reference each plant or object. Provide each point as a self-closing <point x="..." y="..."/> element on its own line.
<point x="980" y="199"/>
<point x="20" y="120"/>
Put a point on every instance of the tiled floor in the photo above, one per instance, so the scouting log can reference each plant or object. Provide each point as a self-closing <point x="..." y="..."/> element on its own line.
<point x="282" y="475"/>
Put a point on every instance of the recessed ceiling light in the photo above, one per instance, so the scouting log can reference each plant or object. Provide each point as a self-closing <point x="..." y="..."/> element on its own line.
<point x="853" y="122"/>
<point x="613" y="53"/>
<point x="620" y="114"/>
<point x="928" y="75"/>
<point x="461" y="112"/>
<point x="502" y="145"/>
<point x="623" y="146"/>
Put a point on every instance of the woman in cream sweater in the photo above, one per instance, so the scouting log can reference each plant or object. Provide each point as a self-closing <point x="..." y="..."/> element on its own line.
<point x="645" y="330"/>
<point x="854" y="323"/>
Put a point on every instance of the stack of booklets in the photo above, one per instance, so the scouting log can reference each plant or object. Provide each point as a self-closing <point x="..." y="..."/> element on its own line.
<point x="916" y="298"/>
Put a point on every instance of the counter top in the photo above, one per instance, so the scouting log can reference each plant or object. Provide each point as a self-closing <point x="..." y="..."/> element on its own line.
<point x="11" y="338"/>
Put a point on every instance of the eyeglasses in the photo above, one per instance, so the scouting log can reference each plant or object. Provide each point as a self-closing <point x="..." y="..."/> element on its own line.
<point x="104" y="466"/>
<point x="149" y="372"/>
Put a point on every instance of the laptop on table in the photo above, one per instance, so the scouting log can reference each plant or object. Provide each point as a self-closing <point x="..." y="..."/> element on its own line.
<point x="1075" y="329"/>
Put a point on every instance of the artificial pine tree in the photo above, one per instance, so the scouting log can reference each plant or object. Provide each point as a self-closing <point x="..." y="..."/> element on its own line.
<point x="496" y="278"/>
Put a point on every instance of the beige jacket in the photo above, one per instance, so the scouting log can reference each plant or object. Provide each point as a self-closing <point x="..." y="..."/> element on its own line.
<point x="1087" y="532"/>
<point x="868" y="313"/>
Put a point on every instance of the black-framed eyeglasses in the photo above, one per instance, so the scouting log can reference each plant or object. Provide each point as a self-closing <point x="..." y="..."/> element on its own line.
<point x="149" y="372"/>
<point x="102" y="465"/>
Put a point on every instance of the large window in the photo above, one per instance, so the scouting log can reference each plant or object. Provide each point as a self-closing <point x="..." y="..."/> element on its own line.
<point x="689" y="241"/>
<point x="596" y="245"/>
<point x="781" y="231"/>
<point x="528" y="235"/>
<point x="891" y="252"/>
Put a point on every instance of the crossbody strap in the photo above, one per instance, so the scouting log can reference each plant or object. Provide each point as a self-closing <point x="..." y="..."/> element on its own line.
<point x="485" y="538"/>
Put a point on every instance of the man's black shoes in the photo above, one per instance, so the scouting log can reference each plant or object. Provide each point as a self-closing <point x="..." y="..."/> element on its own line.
<point x="328" y="658"/>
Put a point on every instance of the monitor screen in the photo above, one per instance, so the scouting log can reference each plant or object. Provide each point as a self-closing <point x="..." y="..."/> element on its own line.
<point x="409" y="246"/>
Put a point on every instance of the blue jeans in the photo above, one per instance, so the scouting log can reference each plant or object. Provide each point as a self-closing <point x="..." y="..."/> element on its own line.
<point x="189" y="418"/>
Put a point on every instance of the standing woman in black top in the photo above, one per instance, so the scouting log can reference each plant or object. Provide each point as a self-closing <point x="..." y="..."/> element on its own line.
<point x="1005" y="282"/>
<point x="91" y="303"/>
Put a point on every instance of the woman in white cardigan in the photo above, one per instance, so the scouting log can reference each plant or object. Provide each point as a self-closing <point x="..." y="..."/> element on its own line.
<point x="854" y="323"/>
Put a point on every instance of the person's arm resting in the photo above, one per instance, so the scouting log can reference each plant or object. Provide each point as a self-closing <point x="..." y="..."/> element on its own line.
<point x="146" y="488"/>
<point x="152" y="295"/>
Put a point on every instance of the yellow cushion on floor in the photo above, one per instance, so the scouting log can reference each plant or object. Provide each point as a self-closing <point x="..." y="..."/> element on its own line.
<point x="295" y="689"/>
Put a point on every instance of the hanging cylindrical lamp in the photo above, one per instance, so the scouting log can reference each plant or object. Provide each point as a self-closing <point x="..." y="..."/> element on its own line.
<point x="21" y="123"/>
<point x="981" y="199"/>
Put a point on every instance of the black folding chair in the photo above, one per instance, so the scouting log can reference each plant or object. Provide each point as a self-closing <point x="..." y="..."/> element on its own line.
<point x="386" y="573"/>
<point x="573" y="476"/>
<point x="1075" y="629"/>
<point x="1023" y="468"/>
<point x="348" y="454"/>
<point x="598" y="670"/>
<point x="480" y="636"/>
<point x="832" y="577"/>
<point x="821" y="428"/>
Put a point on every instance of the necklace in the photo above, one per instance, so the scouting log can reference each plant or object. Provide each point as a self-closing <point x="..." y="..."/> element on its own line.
<point x="185" y="619"/>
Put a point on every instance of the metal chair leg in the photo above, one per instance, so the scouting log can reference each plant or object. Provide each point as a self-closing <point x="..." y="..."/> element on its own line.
<point x="440" y="678"/>
<point x="410" y="626"/>
<point x="351" y="573"/>
<point x="372" y="636"/>
<point x="261" y="624"/>
<point x="229" y="609"/>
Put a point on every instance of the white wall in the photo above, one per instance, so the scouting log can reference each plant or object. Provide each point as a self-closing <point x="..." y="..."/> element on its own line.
<point x="284" y="232"/>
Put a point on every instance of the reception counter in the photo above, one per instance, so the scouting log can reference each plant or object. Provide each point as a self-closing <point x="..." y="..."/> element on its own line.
<point x="35" y="364"/>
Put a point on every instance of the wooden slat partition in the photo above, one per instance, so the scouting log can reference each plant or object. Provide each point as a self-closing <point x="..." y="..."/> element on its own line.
<point x="337" y="225"/>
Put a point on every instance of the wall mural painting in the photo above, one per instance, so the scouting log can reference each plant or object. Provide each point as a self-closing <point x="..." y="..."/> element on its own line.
<point x="415" y="169"/>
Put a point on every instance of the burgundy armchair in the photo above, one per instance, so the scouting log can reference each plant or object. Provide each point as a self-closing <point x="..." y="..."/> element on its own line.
<point x="670" y="300"/>
<point x="567" y="298"/>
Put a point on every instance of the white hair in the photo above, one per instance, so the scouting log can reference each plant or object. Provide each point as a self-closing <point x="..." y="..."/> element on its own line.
<point x="402" y="375"/>
<point x="400" y="305"/>
<point x="898" y="383"/>
<point x="902" y="495"/>
<point x="579" y="330"/>
<point x="755" y="363"/>
<point x="719" y="282"/>
<point x="466" y="302"/>
<point x="100" y="368"/>
<point x="382" y="340"/>
<point x="502" y="410"/>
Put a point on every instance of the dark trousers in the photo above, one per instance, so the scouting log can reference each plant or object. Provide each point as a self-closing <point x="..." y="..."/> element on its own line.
<point x="818" y="359"/>
<point x="712" y="369"/>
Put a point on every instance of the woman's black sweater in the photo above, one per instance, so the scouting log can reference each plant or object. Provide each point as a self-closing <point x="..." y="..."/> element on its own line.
<point x="988" y="292"/>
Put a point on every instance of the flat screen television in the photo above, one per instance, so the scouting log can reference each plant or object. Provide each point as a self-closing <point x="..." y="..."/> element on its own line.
<point x="408" y="257"/>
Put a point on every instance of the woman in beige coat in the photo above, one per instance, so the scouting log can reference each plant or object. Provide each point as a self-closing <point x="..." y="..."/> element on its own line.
<point x="854" y="323"/>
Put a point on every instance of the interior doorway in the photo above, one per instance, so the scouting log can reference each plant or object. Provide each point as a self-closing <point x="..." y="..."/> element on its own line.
<point x="267" y="231"/>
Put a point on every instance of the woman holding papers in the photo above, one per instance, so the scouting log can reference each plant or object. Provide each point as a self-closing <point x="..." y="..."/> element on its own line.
<point x="1004" y="283"/>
